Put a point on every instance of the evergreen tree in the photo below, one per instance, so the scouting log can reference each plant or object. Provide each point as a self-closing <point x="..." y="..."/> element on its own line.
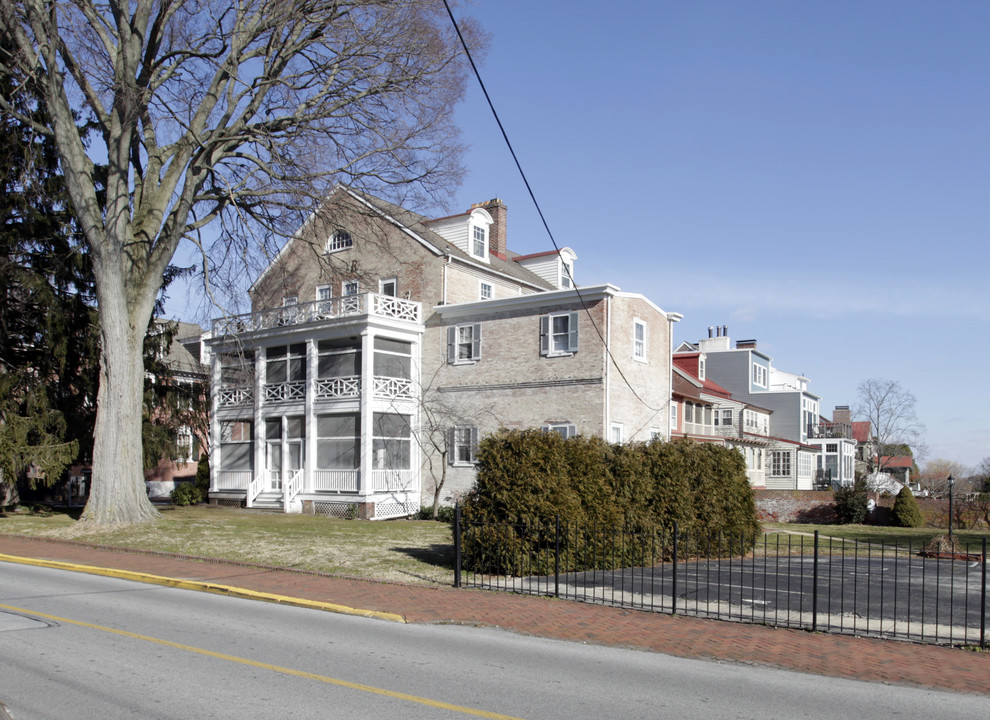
<point x="48" y="336"/>
<point x="906" y="512"/>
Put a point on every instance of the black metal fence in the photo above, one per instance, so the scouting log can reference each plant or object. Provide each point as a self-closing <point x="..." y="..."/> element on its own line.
<point x="895" y="590"/>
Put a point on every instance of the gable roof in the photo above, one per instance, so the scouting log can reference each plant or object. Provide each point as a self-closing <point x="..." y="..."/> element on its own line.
<point x="861" y="431"/>
<point x="416" y="227"/>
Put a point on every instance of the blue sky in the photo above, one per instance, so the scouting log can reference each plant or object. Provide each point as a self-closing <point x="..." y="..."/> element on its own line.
<point x="814" y="175"/>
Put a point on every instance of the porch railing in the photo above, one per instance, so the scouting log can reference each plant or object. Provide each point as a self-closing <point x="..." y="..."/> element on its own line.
<point x="291" y="489"/>
<point x="233" y="479"/>
<point x="255" y="488"/>
<point x="319" y="311"/>
<point x="339" y="481"/>
<point x="387" y="480"/>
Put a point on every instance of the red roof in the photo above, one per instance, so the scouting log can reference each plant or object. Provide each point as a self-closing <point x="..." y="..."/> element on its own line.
<point x="861" y="431"/>
<point x="688" y="362"/>
<point x="517" y="258"/>
<point x="897" y="461"/>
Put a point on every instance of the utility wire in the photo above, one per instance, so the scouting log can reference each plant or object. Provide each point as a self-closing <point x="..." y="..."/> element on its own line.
<point x="546" y="226"/>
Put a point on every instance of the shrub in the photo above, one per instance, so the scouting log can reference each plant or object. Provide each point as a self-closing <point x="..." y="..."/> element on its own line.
<point x="906" y="512"/>
<point x="611" y="501"/>
<point x="186" y="493"/>
<point x="203" y="475"/>
<point x="445" y="513"/>
<point x="851" y="503"/>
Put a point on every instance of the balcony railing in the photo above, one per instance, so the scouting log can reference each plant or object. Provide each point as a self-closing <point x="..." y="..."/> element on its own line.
<point x="235" y="396"/>
<point x="837" y="431"/>
<point x="347" y="306"/>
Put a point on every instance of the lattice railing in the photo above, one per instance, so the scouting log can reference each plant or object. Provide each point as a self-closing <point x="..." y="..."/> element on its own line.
<point x="338" y="387"/>
<point x="281" y="392"/>
<point x="227" y="396"/>
<point x="390" y="387"/>
<point x="320" y="310"/>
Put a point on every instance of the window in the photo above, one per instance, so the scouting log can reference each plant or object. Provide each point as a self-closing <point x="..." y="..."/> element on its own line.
<point x="566" y="275"/>
<point x="236" y="441"/>
<point x="390" y="441"/>
<point x="559" y="334"/>
<point x="338" y="358"/>
<point x="389" y="286"/>
<point x="655" y="434"/>
<point x="393" y="358"/>
<point x="564" y="429"/>
<point x="487" y="291"/>
<point x="290" y="300"/>
<point x="323" y="292"/>
<point x="615" y="433"/>
<point x="340" y="240"/>
<point x="285" y="364"/>
<point x="701" y="368"/>
<point x="350" y="287"/>
<point x="479" y="244"/>
<point x="780" y="463"/>
<point x="463" y="445"/>
<point x="184" y="444"/>
<point x="338" y="442"/>
<point x="805" y="463"/>
<point x="639" y="339"/>
<point x="723" y="418"/>
<point x="464" y="343"/>
<point x="673" y="415"/>
<point x="759" y="375"/>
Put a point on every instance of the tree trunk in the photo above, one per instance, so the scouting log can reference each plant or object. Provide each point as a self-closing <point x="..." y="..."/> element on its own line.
<point x="118" y="493"/>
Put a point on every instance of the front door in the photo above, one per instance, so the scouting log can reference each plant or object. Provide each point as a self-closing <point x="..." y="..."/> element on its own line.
<point x="274" y="465"/>
<point x="294" y="449"/>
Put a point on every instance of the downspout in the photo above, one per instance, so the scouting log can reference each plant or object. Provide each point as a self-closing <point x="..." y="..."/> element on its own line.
<point x="671" y="319"/>
<point x="606" y="357"/>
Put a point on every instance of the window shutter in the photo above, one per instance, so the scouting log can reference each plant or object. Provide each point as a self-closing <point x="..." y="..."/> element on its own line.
<point x="474" y="444"/>
<point x="451" y="344"/>
<point x="476" y="342"/>
<point x="572" y="326"/>
<point x="451" y="445"/>
<point x="544" y="334"/>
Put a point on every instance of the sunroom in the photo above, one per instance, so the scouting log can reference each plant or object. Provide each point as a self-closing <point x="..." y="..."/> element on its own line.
<point x="316" y="407"/>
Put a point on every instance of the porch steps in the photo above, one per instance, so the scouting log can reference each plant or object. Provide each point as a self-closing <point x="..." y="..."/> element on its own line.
<point x="268" y="502"/>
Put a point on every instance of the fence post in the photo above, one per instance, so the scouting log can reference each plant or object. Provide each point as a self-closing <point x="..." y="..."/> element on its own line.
<point x="556" y="556"/>
<point x="983" y="598"/>
<point x="814" y="588"/>
<point x="457" y="545"/>
<point x="673" y="585"/>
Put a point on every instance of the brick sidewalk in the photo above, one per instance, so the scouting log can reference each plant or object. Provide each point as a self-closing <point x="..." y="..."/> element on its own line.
<point x="887" y="661"/>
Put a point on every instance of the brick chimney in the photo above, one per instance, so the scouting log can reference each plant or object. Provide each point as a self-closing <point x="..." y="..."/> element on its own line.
<point x="842" y="415"/>
<point x="496" y="234"/>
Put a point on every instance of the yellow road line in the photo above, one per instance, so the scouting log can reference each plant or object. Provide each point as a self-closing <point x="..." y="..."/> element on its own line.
<point x="267" y="666"/>
<point x="205" y="587"/>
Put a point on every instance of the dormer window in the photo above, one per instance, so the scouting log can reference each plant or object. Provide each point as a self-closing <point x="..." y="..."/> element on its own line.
<point x="566" y="274"/>
<point x="340" y="240"/>
<point x="479" y="242"/>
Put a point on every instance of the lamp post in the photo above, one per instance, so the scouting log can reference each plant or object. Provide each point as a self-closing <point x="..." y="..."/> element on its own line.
<point x="951" y="483"/>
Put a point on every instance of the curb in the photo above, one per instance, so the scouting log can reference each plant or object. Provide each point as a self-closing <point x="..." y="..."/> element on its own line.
<point x="228" y="590"/>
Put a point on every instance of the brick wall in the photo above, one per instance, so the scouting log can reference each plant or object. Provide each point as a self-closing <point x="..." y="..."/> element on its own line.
<point x="810" y="506"/>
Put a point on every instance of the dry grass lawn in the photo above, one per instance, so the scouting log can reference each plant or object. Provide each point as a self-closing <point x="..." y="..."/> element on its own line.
<point x="410" y="551"/>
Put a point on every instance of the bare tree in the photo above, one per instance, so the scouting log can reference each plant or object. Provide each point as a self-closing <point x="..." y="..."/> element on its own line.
<point x="890" y="410"/>
<point x="243" y="112"/>
<point x="935" y="477"/>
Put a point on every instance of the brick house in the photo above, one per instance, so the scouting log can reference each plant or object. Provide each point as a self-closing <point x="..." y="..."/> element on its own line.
<point x="383" y="344"/>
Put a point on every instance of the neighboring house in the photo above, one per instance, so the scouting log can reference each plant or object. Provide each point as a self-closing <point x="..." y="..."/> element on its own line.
<point x="837" y="461"/>
<point x="751" y="378"/>
<point x="184" y="360"/>
<point x="897" y="466"/>
<point x="382" y="345"/>
<point x="704" y="411"/>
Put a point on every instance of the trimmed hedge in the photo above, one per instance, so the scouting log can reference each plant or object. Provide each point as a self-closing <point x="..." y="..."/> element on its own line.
<point x="528" y="478"/>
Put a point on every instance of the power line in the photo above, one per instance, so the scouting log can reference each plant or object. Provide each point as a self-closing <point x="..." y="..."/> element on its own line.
<point x="546" y="226"/>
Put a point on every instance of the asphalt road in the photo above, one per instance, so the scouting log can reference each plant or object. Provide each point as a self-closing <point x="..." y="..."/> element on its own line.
<point x="86" y="647"/>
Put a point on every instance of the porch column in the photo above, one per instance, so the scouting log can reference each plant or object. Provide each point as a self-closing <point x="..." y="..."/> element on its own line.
<point x="309" y="446"/>
<point x="365" y="488"/>
<point x="216" y="458"/>
<point x="259" y="425"/>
